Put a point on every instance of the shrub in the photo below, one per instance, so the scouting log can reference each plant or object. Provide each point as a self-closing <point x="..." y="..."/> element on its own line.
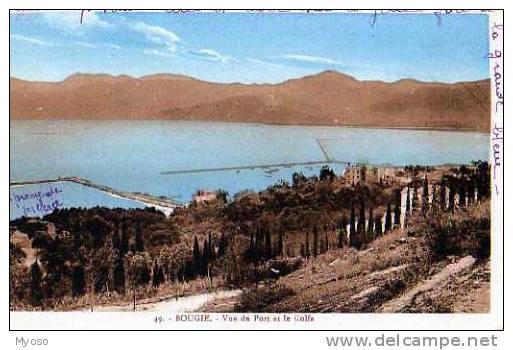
<point x="461" y="233"/>
<point x="257" y="299"/>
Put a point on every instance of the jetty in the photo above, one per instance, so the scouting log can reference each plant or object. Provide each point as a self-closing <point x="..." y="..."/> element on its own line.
<point x="253" y="167"/>
<point x="144" y="198"/>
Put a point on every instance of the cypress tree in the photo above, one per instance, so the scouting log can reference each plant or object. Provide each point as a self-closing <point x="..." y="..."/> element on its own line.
<point x="388" y="218"/>
<point x="223" y="244"/>
<point x="442" y="194"/>
<point x="205" y="259"/>
<point x="196" y="256"/>
<point x="268" y="245"/>
<point x="78" y="280"/>
<point x="158" y="274"/>
<point x="258" y="245"/>
<point x="279" y="250"/>
<point x="115" y="236"/>
<point x="462" y="193"/>
<point x="307" y="246"/>
<point x="352" y="226"/>
<point x="415" y="198"/>
<point x="252" y="249"/>
<point x="397" y="211"/>
<point x="361" y="224"/>
<point x="119" y="275"/>
<point x="211" y="246"/>
<point x="36" y="285"/>
<point x="77" y="240"/>
<point x="451" y="196"/>
<point x="379" y="225"/>
<point x="434" y="197"/>
<point x="316" y="241"/>
<point x="408" y="202"/>
<point x="139" y="239"/>
<point x="125" y="238"/>
<point x="370" y="228"/>
<point x="425" y="194"/>
<point x="343" y="232"/>
<point x="471" y="190"/>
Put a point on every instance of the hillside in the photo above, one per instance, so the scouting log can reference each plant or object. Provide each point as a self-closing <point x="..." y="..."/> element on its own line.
<point x="328" y="98"/>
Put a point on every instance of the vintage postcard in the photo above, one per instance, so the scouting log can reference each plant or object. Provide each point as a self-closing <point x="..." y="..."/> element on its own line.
<point x="256" y="169"/>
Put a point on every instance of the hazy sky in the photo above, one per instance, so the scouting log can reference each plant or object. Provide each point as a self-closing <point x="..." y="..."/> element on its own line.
<point x="250" y="47"/>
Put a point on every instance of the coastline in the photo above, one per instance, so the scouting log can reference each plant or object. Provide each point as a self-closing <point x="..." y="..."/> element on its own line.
<point x="165" y="206"/>
<point x="353" y="126"/>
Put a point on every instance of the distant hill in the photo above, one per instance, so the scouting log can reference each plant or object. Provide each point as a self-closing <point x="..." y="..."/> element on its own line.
<point x="328" y="98"/>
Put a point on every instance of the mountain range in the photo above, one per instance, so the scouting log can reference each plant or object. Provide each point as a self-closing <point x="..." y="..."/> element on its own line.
<point x="327" y="98"/>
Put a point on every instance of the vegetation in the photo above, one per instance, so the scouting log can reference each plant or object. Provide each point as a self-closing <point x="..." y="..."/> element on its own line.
<point x="118" y="254"/>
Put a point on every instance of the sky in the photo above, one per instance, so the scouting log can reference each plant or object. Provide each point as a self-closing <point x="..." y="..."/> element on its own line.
<point x="249" y="47"/>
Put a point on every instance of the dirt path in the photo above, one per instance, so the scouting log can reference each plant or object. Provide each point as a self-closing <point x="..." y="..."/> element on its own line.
<point x="172" y="304"/>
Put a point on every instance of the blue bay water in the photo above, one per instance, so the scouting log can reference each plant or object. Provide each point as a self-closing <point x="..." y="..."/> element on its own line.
<point x="132" y="155"/>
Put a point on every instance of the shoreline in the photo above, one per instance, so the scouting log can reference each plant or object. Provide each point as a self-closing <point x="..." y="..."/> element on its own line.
<point x="165" y="206"/>
<point x="159" y="119"/>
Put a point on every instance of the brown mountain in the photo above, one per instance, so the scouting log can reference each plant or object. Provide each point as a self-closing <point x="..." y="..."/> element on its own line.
<point x="328" y="98"/>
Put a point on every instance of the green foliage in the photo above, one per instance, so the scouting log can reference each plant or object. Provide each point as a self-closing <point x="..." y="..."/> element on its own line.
<point x="119" y="276"/>
<point x="79" y="282"/>
<point x="461" y="233"/>
<point x="36" y="290"/>
<point x="388" y="218"/>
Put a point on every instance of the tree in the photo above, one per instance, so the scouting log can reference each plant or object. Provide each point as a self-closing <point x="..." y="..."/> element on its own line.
<point x="196" y="256"/>
<point x="139" y="239"/>
<point x="316" y="241"/>
<point x="415" y="198"/>
<point x="434" y="197"/>
<point x="223" y="245"/>
<point x="442" y="194"/>
<point x="211" y="247"/>
<point x="205" y="260"/>
<point x="279" y="250"/>
<point x="115" y="237"/>
<point x="101" y="278"/>
<point x="307" y="246"/>
<point x="78" y="280"/>
<point x="119" y="275"/>
<point x="425" y="194"/>
<point x="361" y="224"/>
<point x="352" y="226"/>
<point x="379" y="225"/>
<point x="370" y="226"/>
<point x="483" y="180"/>
<point x="158" y="274"/>
<point x="36" y="288"/>
<point x="471" y="190"/>
<point x="125" y="239"/>
<point x="343" y="232"/>
<point x="268" y="245"/>
<point x="408" y="202"/>
<point x="326" y="174"/>
<point x="77" y="239"/>
<point x="462" y="193"/>
<point x="99" y="229"/>
<point x="397" y="209"/>
<point x="388" y="218"/>
<point x="297" y="179"/>
<point x="451" y="195"/>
